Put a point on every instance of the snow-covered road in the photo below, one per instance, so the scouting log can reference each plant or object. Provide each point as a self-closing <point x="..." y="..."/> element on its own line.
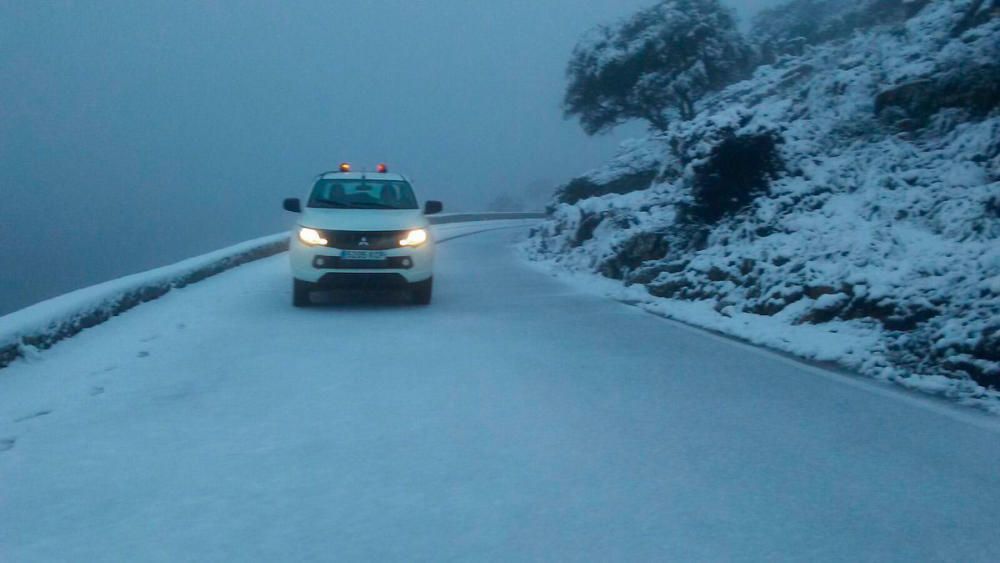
<point x="516" y="418"/>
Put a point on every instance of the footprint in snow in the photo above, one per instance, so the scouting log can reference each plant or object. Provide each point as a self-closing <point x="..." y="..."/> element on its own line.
<point x="95" y="391"/>
<point x="33" y="415"/>
<point x="143" y="354"/>
<point x="150" y="338"/>
<point x="7" y="444"/>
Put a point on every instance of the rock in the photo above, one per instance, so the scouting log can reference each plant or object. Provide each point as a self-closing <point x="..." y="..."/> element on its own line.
<point x="817" y="291"/>
<point x="827" y="307"/>
<point x="669" y="289"/>
<point x="641" y="248"/>
<point x="583" y="188"/>
<point x="717" y="275"/>
<point x="588" y="224"/>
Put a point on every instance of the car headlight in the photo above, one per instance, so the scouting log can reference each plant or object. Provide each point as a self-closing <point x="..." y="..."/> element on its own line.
<point x="312" y="237"/>
<point x="416" y="237"/>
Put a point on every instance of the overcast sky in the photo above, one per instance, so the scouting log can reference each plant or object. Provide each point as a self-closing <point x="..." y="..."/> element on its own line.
<point x="137" y="133"/>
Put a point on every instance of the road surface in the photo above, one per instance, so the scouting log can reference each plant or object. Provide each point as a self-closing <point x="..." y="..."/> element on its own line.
<point x="516" y="418"/>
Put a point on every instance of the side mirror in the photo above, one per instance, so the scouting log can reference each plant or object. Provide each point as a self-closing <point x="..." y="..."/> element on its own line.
<point x="293" y="204"/>
<point x="432" y="207"/>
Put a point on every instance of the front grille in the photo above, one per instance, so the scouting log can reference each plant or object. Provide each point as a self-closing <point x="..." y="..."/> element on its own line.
<point x="338" y="263"/>
<point x="363" y="240"/>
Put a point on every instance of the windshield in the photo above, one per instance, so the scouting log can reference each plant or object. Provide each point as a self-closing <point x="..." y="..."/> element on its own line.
<point x="362" y="194"/>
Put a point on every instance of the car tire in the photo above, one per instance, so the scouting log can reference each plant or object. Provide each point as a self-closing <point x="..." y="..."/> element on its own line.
<point x="422" y="291"/>
<point x="300" y="293"/>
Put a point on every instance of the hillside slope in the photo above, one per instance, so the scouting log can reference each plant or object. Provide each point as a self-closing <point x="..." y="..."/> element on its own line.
<point x="846" y="200"/>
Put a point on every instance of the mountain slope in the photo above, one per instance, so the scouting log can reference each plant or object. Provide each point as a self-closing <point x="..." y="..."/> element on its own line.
<point x="854" y="189"/>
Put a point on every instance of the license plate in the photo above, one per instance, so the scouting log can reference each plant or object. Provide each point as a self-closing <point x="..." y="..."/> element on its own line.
<point x="362" y="255"/>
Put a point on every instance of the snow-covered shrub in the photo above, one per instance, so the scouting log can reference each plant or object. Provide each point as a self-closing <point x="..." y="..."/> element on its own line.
<point x="890" y="234"/>
<point x="974" y="89"/>
<point x="655" y="65"/>
<point x="977" y="13"/>
<point x="738" y="170"/>
<point x="790" y="27"/>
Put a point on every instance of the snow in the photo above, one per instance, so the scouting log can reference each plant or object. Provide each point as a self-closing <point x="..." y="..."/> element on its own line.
<point x="41" y="315"/>
<point x="871" y="233"/>
<point x="516" y="418"/>
<point x="844" y="344"/>
<point x="62" y="317"/>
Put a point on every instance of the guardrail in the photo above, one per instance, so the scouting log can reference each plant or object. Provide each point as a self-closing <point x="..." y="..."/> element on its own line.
<point x="42" y="325"/>
<point x="446" y="218"/>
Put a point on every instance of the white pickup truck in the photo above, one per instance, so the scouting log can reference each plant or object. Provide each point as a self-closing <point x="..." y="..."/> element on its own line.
<point x="362" y="230"/>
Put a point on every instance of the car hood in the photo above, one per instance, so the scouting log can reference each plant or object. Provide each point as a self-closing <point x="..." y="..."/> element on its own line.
<point x="362" y="219"/>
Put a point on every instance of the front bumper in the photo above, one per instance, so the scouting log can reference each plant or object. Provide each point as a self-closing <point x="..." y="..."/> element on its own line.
<point x="323" y="265"/>
<point x="356" y="280"/>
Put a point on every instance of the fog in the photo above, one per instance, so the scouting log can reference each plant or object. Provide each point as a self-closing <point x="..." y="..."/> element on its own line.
<point x="135" y="134"/>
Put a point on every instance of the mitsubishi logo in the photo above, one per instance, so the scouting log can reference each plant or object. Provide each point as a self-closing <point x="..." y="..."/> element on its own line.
<point x="363" y="241"/>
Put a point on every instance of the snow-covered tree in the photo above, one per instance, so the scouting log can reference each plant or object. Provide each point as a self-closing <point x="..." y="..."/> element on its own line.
<point x="655" y="65"/>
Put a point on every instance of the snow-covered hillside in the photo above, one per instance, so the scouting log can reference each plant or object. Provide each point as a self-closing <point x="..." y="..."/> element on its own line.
<point x="843" y="205"/>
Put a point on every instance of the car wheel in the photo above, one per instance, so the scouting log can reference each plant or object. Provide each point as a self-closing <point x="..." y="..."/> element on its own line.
<point x="422" y="291"/>
<point x="300" y="293"/>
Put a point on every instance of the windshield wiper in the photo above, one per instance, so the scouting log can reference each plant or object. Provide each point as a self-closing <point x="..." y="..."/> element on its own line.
<point x="330" y="204"/>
